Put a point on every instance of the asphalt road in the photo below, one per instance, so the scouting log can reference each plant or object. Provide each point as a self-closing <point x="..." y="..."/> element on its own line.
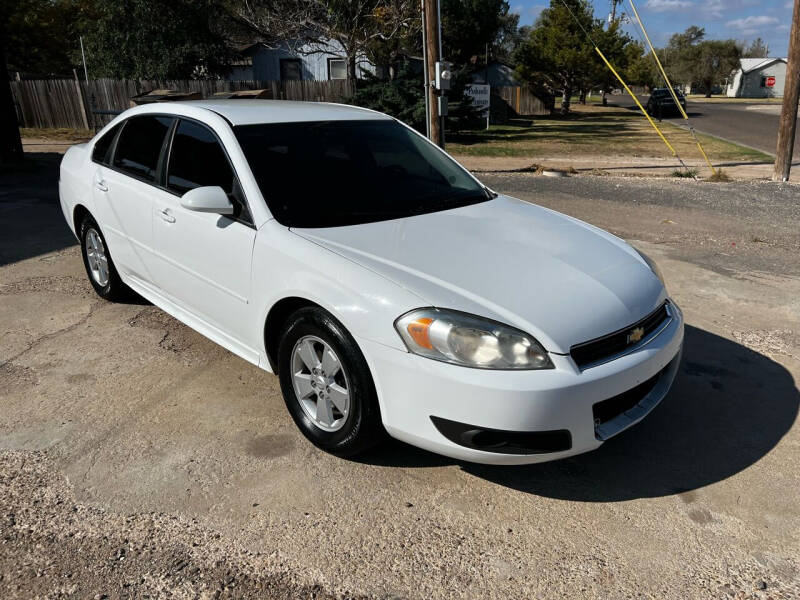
<point x="138" y="459"/>
<point x="751" y="124"/>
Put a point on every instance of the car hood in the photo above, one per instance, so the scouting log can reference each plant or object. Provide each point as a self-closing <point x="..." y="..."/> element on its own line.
<point x="559" y="279"/>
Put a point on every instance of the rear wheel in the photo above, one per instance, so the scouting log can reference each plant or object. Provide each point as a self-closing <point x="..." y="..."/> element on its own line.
<point x="99" y="267"/>
<point x="327" y="385"/>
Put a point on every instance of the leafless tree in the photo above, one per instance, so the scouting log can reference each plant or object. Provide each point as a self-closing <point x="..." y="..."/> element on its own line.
<point x="315" y="26"/>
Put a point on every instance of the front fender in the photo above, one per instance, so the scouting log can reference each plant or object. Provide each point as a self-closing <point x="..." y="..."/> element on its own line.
<point x="286" y="265"/>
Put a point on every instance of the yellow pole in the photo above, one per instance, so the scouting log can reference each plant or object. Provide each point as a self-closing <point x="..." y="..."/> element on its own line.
<point x="635" y="99"/>
<point x="671" y="89"/>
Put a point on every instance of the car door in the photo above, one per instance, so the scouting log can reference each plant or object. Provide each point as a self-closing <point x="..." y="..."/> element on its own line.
<point x="203" y="260"/>
<point x="124" y="189"/>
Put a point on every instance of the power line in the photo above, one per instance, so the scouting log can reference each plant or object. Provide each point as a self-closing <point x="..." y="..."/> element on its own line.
<point x="627" y="89"/>
<point x="671" y="89"/>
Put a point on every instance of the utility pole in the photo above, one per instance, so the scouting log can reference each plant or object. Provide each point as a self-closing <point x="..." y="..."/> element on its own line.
<point x="614" y="10"/>
<point x="430" y="26"/>
<point x="10" y="142"/>
<point x="83" y="56"/>
<point x="791" y="96"/>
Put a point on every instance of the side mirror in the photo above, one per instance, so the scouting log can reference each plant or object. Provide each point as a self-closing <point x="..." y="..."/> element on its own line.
<point x="207" y="199"/>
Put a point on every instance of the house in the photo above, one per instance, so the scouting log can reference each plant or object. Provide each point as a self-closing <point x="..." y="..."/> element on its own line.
<point x="758" y="78"/>
<point x="497" y="73"/>
<point x="293" y="62"/>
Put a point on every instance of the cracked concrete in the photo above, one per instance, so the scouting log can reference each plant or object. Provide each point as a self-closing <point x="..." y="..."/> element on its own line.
<point x="139" y="459"/>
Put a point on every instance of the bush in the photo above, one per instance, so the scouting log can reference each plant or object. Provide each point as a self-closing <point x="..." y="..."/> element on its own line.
<point x="402" y="97"/>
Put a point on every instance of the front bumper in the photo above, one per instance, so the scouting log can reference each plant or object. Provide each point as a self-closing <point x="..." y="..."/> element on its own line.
<point x="417" y="393"/>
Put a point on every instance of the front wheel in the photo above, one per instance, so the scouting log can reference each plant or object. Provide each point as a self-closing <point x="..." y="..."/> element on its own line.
<point x="327" y="385"/>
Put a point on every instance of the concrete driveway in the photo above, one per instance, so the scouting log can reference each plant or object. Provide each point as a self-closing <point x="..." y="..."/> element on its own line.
<point x="750" y="124"/>
<point x="139" y="459"/>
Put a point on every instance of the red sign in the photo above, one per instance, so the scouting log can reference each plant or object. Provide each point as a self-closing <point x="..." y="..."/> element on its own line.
<point x="770" y="82"/>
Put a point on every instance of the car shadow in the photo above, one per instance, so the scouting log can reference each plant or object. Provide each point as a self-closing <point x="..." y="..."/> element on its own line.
<point x="31" y="221"/>
<point x="728" y="408"/>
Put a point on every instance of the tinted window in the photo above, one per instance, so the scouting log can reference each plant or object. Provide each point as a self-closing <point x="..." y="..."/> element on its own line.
<point x="139" y="145"/>
<point x="102" y="147"/>
<point x="197" y="159"/>
<point x="330" y="173"/>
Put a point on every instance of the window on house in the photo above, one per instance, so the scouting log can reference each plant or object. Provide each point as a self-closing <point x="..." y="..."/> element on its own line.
<point x="337" y="68"/>
<point x="291" y="69"/>
<point x="763" y="81"/>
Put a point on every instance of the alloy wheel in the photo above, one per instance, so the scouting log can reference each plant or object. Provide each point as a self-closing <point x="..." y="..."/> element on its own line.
<point x="320" y="383"/>
<point x="96" y="257"/>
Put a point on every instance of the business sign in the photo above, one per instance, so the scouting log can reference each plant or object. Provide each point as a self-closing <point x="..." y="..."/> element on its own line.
<point x="770" y="81"/>
<point x="480" y="94"/>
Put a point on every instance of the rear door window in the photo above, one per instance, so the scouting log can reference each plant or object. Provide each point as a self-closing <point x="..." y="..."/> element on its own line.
<point x="102" y="147"/>
<point x="139" y="145"/>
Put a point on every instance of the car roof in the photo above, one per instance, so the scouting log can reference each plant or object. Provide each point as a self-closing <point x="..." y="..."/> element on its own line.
<point x="251" y="111"/>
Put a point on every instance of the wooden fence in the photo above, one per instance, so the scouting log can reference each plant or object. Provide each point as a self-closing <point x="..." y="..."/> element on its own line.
<point x="76" y="104"/>
<point x="521" y="100"/>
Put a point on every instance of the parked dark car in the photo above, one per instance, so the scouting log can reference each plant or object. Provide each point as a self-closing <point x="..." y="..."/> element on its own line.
<point x="661" y="103"/>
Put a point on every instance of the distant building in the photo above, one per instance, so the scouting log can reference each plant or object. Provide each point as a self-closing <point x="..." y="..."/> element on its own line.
<point x="499" y="74"/>
<point x="758" y="78"/>
<point x="290" y="62"/>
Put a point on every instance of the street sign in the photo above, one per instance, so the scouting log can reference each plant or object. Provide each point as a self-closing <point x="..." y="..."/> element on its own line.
<point x="770" y="81"/>
<point x="480" y="96"/>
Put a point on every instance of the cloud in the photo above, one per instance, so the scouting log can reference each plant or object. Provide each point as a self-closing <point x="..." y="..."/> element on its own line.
<point x="752" y="24"/>
<point x="668" y="5"/>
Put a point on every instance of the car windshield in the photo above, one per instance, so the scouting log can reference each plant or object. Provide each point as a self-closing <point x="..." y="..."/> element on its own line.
<point x="333" y="173"/>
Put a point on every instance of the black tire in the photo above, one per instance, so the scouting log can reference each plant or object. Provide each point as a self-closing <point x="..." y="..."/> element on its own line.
<point x="114" y="290"/>
<point x="362" y="428"/>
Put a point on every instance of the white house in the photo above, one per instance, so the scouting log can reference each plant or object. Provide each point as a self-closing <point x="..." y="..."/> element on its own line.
<point x="290" y="62"/>
<point x="758" y="78"/>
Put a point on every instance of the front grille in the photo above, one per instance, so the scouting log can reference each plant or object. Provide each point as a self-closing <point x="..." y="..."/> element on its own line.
<point x="601" y="348"/>
<point x="608" y="409"/>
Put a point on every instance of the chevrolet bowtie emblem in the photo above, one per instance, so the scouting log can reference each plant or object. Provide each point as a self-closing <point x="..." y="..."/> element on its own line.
<point x="635" y="335"/>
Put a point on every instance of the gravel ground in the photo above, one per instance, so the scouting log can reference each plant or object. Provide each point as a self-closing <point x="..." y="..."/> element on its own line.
<point x="742" y="225"/>
<point x="54" y="547"/>
<point x="140" y="460"/>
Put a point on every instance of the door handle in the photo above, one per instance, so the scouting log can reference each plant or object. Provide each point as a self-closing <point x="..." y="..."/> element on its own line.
<point x="166" y="215"/>
<point x="101" y="185"/>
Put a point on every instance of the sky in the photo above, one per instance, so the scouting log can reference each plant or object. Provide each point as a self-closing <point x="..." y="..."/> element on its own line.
<point x="722" y="19"/>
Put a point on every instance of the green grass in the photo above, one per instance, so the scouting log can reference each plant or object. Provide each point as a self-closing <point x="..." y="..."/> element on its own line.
<point x="591" y="130"/>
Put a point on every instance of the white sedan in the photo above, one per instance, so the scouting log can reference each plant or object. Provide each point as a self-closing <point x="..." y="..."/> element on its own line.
<point x="389" y="290"/>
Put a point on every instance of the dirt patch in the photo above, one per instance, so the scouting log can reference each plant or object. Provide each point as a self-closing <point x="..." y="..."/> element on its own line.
<point x="773" y="341"/>
<point x="270" y="446"/>
<point x="14" y="377"/>
<point x="54" y="547"/>
<point x="62" y="284"/>
<point x="176" y="338"/>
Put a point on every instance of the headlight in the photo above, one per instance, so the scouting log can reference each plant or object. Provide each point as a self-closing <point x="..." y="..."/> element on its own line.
<point x="653" y="266"/>
<point x="470" y="341"/>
